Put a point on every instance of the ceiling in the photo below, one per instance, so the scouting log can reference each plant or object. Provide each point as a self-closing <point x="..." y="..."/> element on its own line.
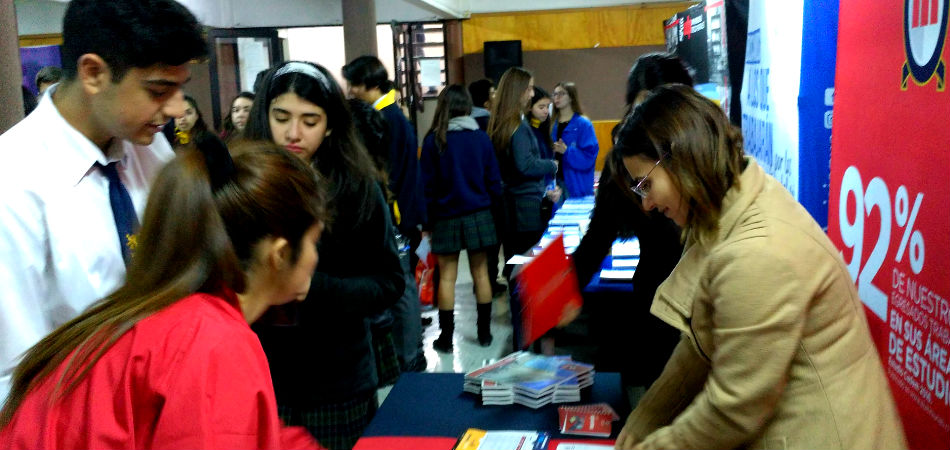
<point x="45" y="16"/>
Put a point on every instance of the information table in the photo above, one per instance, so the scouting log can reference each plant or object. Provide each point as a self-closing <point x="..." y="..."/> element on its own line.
<point x="430" y="411"/>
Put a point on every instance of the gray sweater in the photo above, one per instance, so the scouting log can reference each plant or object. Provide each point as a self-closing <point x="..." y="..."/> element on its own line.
<point x="522" y="168"/>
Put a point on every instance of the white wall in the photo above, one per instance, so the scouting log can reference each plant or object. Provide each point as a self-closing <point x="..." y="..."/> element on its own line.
<point x="296" y="13"/>
<point x="285" y="13"/>
<point x="324" y="46"/>
<point x="405" y="11"/>
<point x="212" y="13"/>
<point x="39" y="16"/>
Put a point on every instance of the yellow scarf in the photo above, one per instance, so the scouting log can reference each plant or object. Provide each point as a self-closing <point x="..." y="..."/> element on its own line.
<point x="386" y="100"/>
<point x="183" y="137"/>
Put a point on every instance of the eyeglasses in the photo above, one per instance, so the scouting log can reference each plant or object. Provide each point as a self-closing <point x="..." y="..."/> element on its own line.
<point x="643" y="187"/>
<point x="559" y="94"/>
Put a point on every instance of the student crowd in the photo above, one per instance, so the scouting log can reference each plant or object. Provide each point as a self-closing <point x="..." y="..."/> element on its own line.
<point x="166" y="286"/>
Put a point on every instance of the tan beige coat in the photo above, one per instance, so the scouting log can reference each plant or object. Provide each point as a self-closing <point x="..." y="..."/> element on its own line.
<point x="776" y="350"/>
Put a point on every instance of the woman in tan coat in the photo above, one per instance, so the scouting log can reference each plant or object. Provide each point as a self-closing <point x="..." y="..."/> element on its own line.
<point x="775" y="349"/>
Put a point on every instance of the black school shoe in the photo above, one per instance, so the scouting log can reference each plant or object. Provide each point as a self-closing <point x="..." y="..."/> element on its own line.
<point x="498" y="289"/>
<point x="443" y="344"/>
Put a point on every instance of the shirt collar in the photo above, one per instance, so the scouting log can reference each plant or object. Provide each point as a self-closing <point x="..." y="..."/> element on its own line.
<point x="79" y="154"/>
<point x="386" y="100"/>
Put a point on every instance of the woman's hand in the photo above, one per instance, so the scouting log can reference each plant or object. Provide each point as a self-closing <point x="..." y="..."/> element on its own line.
<point x="626" y="439"/>
<point x="560" y="146"/>
<point x="555" y="194"/>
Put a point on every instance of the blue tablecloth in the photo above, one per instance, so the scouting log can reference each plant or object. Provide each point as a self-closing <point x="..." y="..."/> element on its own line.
<point x="598" y="285"/>
<point x="433" y="404"/>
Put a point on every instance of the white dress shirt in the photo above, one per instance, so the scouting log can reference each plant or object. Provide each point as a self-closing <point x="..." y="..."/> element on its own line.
<point x="59" y="251"/>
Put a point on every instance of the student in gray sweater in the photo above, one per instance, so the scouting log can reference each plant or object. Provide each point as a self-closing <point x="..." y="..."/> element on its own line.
<point x="523" y="170"/>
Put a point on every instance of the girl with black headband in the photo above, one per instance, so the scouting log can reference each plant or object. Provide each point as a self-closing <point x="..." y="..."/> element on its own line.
<point x="153" y="365"/>
<point x="322" y="362"/>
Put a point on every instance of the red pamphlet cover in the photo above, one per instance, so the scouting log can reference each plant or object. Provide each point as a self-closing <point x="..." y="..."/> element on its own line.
<point x="548" y="288"/>
<point x="589" y="420"/>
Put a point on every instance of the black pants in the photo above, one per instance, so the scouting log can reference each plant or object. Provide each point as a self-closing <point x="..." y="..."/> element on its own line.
<point x="414" y="236"/>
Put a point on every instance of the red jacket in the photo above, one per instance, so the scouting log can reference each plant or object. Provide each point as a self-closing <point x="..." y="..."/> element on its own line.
<point x="190" y="376"/>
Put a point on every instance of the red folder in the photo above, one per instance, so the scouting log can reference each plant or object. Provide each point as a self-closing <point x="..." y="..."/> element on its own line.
<point x="548" y="288"/>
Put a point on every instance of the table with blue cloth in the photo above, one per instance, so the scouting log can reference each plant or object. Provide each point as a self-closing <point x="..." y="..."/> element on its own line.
<point x="597" y="327"/>
<point x="433" y="405"/>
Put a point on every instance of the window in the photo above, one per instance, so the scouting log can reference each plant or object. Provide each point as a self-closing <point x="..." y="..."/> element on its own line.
<point x="419" y="59"/>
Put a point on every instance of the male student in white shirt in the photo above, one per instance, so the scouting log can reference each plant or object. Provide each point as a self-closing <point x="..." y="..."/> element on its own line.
<point x="61" y="242"/>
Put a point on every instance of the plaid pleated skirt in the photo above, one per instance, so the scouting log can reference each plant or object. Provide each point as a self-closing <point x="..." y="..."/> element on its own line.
<point x="524" y="213"/>
<point x="384" y="351"/>
<point x="336" y="426"/>
<point x="473" y="231"/>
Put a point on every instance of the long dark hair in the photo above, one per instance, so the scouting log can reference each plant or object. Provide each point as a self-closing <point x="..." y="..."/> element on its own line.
<point x="194" y="238"/>
<point x="507" y="107"/>
<point x="571" y="90"/>
<point x="374" y="132"/>
<point x="341" y="159"/>
<point x="652" y="70"/>
<point x="228" y="130"/>
<point x="545" y="126"/>
<point x="454" y="101"/>
<point x="200" y="125"/>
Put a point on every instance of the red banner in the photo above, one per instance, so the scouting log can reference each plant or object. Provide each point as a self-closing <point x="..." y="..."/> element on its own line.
<point x="890" y="193"/>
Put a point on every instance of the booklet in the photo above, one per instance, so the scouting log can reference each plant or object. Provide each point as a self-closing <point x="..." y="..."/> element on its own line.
<point x="529" y="379"/>
<point x="475" y="439"/>
<point x="548" y="291"/>
<point x="587" y="420"/>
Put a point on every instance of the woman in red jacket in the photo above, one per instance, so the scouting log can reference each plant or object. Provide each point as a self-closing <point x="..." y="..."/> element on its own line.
<point x="168" y="360"/>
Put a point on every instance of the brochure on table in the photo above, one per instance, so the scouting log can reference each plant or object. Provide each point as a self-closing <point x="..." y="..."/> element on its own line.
<point x="571" y="222"/>
<point x="529" y="379"/>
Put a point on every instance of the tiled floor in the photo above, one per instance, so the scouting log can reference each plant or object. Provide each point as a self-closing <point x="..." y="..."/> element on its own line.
<point x="467" y="355"/>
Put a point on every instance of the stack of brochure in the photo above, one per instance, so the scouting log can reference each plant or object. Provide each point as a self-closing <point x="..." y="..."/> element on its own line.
<point x="531" y="380"/>
<point x="571" y="222"/>
<point x="623" y="261"/>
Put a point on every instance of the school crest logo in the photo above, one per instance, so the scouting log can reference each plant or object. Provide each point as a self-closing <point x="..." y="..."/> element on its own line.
<point x="925" y="31"/>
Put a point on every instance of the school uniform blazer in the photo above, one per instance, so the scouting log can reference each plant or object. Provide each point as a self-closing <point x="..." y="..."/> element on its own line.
<point x="404" y="178"/>
<point x="776" y="351"/>
<point x="577" y="165"/>
<point x="522" y="167"/>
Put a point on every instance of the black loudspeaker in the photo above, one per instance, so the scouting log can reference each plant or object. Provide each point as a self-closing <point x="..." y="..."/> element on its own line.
<point x="500" y="56"/>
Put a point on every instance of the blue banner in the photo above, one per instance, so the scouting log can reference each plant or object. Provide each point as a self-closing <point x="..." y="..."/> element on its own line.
<point x="815" y="100"/>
